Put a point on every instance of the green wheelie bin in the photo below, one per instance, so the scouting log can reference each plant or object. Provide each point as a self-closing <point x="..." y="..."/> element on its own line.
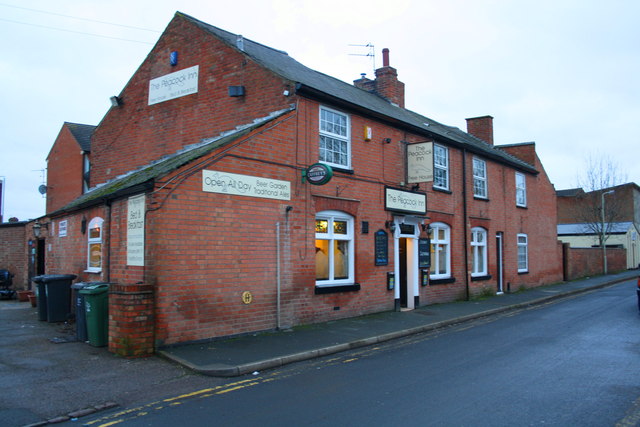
<point x="96" y="300"/>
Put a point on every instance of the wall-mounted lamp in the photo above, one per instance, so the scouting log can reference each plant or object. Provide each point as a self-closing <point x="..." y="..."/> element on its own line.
<point x="115" y="101"/>
<point x="83" y="225"/>
<point x="37" y="228"/>
<point x="415" y="187"/>
<point x="427" y="228"/>
<point x="390" y="225"/>
<point x="387" y="140"/>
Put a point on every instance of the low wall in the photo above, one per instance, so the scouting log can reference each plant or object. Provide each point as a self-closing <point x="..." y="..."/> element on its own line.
<point x="583" y="262"/>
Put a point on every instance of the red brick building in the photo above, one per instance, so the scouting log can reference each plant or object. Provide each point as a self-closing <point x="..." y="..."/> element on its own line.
<point x="235" y="190"/>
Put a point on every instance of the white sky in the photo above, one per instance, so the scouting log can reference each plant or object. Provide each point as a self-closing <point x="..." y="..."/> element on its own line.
<point x="562" y="73"/>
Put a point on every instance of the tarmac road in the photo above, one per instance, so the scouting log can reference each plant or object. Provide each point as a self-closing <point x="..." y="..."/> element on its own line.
<point x="45" y="372"/>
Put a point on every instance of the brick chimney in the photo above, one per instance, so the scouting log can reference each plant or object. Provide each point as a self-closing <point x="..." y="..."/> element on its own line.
<point x="481" y="127"/>
<point x="386" y="83"/>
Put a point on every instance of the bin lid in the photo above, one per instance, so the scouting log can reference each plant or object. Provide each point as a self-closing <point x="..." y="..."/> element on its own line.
<point x="46" y="278"/>
<point x="82" y="285"/>
<point x="94" y="289"/>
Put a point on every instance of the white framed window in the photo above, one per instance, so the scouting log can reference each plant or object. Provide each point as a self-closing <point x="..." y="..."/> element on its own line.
<point x="479" y="178"/>
<point x="335" y="138"/>
<point x="521" y="190"/>
<point x="478" y="251"/>
<point x="94" y="245"/>
<point x="334" y="249"/>
<point x="440" y="167"/>
<point x="523" y="253"/>
<point x="440" y="251"/>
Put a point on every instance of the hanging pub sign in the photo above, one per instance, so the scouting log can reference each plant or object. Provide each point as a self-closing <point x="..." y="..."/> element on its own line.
<point x="317" y="174"/>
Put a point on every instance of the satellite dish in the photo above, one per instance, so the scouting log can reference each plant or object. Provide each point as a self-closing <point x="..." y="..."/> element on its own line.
<point x="42" y="189"/>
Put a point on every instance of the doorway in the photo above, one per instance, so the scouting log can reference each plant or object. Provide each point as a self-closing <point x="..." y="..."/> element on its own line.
<point x="406" y="233"/>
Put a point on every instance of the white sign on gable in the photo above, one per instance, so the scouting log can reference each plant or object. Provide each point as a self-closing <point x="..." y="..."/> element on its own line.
<point x="245" y="185"/>
<point x="62" y="229"/>
<point x="174" y="85"/>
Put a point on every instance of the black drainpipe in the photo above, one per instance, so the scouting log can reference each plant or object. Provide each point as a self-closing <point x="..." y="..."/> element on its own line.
<point x="107" y="236"/>
<point x="464" y="228"/>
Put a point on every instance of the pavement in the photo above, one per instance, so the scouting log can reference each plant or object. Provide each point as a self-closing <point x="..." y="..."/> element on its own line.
<point x="47" y="376"/>
<point x="257" y="352"/>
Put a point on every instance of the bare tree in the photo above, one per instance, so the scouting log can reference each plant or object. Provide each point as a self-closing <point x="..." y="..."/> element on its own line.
<point x="599" y="208"/>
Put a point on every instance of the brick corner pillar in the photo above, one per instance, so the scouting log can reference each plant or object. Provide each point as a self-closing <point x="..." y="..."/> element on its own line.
<point x="131" y="321"/>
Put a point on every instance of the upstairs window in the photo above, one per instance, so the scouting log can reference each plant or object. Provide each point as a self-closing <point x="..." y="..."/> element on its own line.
<point x="478" y="251"/>
<point x="521" y="190"/>
<point x="334" y="249"/>
<point x="440" y="167"/>
<point x="479" y="178"/>
<point x="335" y="144"/>
<point x="523" y="253"/>
<point x="94" y="245"/>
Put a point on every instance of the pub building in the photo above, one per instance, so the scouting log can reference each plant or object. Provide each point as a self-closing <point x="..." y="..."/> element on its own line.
<point x="229" y="189"/>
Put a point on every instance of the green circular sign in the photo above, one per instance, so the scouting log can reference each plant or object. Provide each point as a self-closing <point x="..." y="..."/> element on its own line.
<point x="319" y="174"/>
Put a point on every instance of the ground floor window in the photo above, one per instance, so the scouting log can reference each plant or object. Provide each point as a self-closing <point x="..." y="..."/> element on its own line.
<point x="523" y="253"/>
<point x="478" y="251"/>
<point x="334" y="249"/>
<point x="94" y="245"/>
<point x="440" y="251"/>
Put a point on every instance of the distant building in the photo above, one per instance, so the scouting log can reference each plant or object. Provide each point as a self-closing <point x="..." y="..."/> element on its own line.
<point x="580" y="219"/>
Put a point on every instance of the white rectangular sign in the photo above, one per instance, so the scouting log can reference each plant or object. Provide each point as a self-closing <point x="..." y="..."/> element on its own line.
<point x="420" y="162"/>
<point x="404" y="201"/>
<point x="245" y="185"/>
<point x="62" y="229"/>
<point x="174" y="85"/>
<point x="135" y="230"/>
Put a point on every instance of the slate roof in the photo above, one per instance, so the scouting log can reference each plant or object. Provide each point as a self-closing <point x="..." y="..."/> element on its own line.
<point x="143" y="178"/>
<point x="587" y="229"/>
<point x="82" y="134"/>
<point x="312" y="82"/>
<point x="571" y="192"/>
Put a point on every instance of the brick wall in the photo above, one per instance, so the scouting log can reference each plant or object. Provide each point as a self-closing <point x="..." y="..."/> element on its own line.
<point x="131" y="320"/>
<point x="135" y="133"/>
<point x="64" y="171"/>
<point x="584" y="262"/>
<point x="13" y="252"/>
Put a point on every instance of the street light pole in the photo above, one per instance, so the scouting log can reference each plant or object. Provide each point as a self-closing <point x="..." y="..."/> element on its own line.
<point x="604" y="246"/>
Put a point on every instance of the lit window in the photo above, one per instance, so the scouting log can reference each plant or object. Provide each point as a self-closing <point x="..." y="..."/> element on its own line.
<point x="523" y="253"/>
<point x="440" y="167"/>
<point x="479" y="178"/>
<point x="440" y="251"/>
<point x="478" y="251"/>
<point x="521" y="190"/>
<point x="334" y="249"/>
<point x="94" y="246"/>
<point x="335" y="145"/>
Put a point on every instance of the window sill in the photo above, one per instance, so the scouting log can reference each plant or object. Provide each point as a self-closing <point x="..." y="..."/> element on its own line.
<point x="482" y="199"/>
<point x="442" y="190"/>
<point x="523" y="272"/>
<point x="480" y="278"/>
<point x="521" y="206"/>
<point x="93" y="271"/>
<point x="442" y="281"/>
<point x="332" y="289"/>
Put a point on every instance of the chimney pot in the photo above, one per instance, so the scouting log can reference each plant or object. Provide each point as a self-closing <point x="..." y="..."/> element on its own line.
<point x="385" y="57"/>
